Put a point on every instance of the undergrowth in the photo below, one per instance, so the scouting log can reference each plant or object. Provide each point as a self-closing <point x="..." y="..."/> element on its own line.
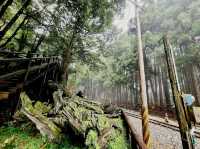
<point x="26" y="138"/>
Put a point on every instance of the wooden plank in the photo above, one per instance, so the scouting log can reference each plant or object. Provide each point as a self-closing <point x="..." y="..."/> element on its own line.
<point x="4" y="95"/>
<point x="22" y="71"/>
<point x="26" y="59"/>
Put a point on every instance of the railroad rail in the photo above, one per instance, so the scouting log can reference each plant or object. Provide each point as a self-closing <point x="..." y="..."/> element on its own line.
<point x="160" y="123"/>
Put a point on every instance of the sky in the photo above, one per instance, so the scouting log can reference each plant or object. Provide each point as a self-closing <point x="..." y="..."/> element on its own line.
<point x="122" y="22"/>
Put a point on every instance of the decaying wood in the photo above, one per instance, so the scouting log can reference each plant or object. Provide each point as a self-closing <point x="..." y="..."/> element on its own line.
<point x="43" y="124"/>
<point x="84" y="117"/>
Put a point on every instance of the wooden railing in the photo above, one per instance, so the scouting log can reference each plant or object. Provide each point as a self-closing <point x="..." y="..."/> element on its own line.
<point x="17" y="70"/>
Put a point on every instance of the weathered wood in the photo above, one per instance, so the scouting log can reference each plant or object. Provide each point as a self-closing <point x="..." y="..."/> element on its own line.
<point x="27" y="59"/>
<point x="43" y="124"/>
<point x="139" y="141"/>
<point x="176" y="92"/>
<point x="85" y="119"/>
<point x="22" y="71"/>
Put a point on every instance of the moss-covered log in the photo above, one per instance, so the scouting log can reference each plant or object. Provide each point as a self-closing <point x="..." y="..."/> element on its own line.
<point x="43" y="124"/>
<point x="83" y="117"/>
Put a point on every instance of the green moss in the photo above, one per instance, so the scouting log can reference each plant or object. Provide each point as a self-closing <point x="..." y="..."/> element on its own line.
<point x="118" y="122"/>
<point x="26" y="139"/>
<point x="103" y="122"/>
<point x="118" y="142"/>
<point x="54" y="130"/>
<point x="41" y="108"/>
<point x="89" y="117"/>
<point x="91" y="140"/>
<point x="118" y="139"/>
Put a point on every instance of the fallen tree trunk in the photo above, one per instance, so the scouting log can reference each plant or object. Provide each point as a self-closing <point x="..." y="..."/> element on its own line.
<point x="43" y="124"/>
<point x="85" y="118"/>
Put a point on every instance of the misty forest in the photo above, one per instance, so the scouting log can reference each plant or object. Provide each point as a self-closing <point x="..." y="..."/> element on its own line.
<point x="99" y="74"/>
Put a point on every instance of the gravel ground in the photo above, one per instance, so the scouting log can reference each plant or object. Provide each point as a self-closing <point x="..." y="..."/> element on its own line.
<point x="162" y="137"/>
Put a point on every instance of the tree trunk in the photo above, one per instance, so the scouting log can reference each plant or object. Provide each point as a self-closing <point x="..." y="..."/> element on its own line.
<point x="22" y="41"/>
<point x="13" y="20"/>
<point x="166" y="89"/>
<point x="161" y="104"/>
<point x="153" y="90"/>
<point x="195" y="84"/>
<point x="1" y="2"/>
<point x="40" y="40"/>
<point x="66" y="61"/>
<point x="148" y="98"/>
<point x="14" y="33"/>
<point x="136" y="89"/>
<point x="4" y="7"/>
<point x="156" y="81"/>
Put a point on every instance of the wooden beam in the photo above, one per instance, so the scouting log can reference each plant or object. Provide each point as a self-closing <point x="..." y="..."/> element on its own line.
<point x="22" y="71"/>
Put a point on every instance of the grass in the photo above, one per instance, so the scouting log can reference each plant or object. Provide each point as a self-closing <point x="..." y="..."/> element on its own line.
<point x="27" y="138"/>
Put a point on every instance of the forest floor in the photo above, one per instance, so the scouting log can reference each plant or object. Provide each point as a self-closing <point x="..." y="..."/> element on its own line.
<point x="26" y="137"/>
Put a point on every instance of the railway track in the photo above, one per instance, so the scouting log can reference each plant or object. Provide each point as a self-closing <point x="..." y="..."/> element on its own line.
<point x="163" y="124"/>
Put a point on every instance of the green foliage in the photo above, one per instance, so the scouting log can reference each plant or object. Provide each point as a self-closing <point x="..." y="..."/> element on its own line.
<point x="27" y="139"/>
<point x="120" y="61"/>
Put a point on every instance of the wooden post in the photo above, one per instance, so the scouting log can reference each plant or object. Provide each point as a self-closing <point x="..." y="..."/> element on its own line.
<point x="177" y="96"/>
<point x="144" y="111"/>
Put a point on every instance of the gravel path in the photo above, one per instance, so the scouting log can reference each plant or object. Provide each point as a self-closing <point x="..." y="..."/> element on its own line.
<point x="163" y="138"/>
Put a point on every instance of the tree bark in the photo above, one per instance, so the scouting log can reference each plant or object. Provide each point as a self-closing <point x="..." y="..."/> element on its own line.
<point x="166" y="89"/>
<point x="136" y="89"/>
<point x="161" y="104"/>
<point x="196" y="84"/>
<point x="13" y="20"/>
<point x="1" y="2"/>
<point x="14" y="33"/>
<point x="4" y="7"/>
<point x="39" y="42"/>
<point x="143" y="92"/>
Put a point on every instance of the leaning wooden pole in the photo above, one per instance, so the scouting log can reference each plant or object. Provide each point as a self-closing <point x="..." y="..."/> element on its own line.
<point x="177" y="96"/>
<point x="144" y="111"/>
